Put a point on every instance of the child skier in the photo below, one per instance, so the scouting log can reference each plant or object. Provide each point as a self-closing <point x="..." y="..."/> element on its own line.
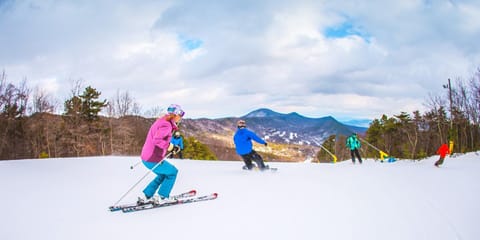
<point x="177" y="142"/>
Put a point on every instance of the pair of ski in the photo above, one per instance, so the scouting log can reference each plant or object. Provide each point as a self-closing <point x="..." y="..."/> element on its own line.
<point x="182" y="198"/>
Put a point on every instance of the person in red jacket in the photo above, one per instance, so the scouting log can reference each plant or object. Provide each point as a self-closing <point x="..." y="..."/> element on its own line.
<point x="442" y="151"/>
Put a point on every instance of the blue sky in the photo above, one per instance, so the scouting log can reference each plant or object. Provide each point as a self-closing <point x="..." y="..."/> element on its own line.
<point x="347" y="59"/>
<point x="189" y="44"/>
<point x="345" y="29"/>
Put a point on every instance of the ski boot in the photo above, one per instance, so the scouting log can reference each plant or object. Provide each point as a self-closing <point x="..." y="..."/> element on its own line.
<point x="147" y="200"/>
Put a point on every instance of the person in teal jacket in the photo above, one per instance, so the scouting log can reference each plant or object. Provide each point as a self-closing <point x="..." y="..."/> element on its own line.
<point x="353" y="144"/>
<point x="243" y="146"/>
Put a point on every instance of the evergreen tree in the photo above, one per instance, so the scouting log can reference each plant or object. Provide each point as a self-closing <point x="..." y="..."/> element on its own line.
<point x="85" y="105"/>
<point x="73" y="106"/>
<point x="194" y="149"/>
<point x="329" y="144"/>
<point x="91" y="106"/>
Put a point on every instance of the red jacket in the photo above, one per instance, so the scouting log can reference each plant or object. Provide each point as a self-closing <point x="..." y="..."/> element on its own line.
<point x="443" y="150"/>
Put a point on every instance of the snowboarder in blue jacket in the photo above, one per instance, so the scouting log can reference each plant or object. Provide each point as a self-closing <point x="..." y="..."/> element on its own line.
<point x="243" y="145"/>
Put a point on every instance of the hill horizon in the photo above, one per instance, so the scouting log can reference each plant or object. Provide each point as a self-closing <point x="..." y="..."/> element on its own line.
<point x="267" y="112"/>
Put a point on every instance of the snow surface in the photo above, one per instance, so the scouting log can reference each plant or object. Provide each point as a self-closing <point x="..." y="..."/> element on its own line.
<point x="69" y="199"/>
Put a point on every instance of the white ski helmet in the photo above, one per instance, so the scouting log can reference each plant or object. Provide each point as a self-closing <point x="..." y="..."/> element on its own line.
<point x="175" y="109"/>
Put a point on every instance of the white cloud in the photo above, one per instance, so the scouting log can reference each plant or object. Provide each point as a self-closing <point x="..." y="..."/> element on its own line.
<point x="222" y="58"/>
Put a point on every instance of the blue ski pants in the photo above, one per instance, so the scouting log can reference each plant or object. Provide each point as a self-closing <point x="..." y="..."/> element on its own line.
<point x="166" y="176"/>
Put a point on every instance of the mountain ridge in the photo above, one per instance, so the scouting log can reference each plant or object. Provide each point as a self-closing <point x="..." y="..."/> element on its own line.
<point x="268" y="113"/>
<point x="291" y="130"/>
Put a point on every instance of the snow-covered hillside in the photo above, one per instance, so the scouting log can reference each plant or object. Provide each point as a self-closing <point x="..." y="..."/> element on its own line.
<point x="68" y="199"/>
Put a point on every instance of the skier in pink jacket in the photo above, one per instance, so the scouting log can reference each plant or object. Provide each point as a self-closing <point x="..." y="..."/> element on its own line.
<point x="153" y="154"/>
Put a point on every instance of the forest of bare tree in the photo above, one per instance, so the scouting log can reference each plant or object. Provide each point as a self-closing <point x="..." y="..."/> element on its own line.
<point x="31" y="127"/>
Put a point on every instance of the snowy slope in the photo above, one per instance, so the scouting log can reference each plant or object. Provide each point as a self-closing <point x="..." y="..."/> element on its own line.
<point x="68" y="199"/>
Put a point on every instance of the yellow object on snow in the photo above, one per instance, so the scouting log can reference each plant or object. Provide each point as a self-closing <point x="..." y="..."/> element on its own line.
<point x="382" y="155"/>
<point x="450" y="148"/>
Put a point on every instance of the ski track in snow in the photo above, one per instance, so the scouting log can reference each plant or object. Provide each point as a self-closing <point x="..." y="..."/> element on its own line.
<point x="69" y="199"/>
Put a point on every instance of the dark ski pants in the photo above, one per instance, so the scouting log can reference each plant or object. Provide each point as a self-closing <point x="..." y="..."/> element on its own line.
<point x="177" y="152"/>
<point x="354" y="153"/>
<point x="253" y="156"/>
<point x="439" y="161"/>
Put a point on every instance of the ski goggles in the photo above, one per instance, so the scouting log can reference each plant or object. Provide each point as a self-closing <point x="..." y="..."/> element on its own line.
<point x="176" y="111"/>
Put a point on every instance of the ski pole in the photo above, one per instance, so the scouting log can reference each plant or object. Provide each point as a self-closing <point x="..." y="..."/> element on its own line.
<point x="144" y="176"/>
<point x="136" y="164"/>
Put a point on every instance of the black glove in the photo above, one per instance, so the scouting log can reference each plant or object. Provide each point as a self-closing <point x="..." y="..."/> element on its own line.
<point x="265" y="144"/>
<point x="176" y="149"/>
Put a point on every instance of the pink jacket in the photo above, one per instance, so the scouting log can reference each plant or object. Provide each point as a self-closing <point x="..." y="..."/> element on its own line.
<point x="158" y="140"/>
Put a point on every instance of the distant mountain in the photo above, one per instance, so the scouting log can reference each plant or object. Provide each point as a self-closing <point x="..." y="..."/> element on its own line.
<point x="358" y="122"/>
<point x="300" y="136"/>
<point x="291" y="128"/>
<point x="295" y="128"/>
<point x="263" y="112"/>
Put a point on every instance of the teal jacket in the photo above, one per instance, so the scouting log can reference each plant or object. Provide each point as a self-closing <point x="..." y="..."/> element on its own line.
<point x="353" y="142"/>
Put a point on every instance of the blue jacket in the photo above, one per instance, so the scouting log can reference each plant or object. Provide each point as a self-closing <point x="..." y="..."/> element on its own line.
<point x="243" y="140"/>
<point x="177" y="141"/>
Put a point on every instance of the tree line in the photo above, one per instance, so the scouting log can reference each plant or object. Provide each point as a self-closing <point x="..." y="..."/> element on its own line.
<point x="451" y="116"/>
<point x="31" y="128"/>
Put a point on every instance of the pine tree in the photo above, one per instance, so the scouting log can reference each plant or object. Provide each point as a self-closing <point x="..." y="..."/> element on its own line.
<point x="90" y="105"/>
<point x="194" y="149"/>
<point x="86" y="105"/>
